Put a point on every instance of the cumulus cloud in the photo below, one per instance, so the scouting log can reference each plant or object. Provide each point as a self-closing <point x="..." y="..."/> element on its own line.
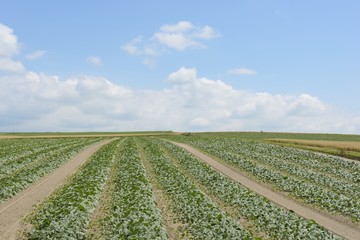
<point x="9" y="65"/>
<point x="9" y="47"/>
<point x="183" y="75"/>
<point x="179" y="37"/>
<point x="36" y="55"/>
<point x="8" y="42"/>
<point x="242" y="71"/>
<point x="39" y="102"/>
<point x="31" y="101"/>
<point x="184" y="35"/>
<point x="133" y="47"/>
<point x="95" y="61"/>
<point x="175" y="40"/>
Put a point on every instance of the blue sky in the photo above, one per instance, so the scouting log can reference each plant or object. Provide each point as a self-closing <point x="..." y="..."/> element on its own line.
<point x="199" y="66"/>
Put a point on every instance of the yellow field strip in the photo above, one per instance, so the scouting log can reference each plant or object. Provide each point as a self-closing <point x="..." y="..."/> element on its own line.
<point x="344" y="145"/>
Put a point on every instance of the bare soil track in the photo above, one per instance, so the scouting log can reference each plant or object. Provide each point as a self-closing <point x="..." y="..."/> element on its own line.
<point x="12" y="210"/>
<point x="340" y="228"/>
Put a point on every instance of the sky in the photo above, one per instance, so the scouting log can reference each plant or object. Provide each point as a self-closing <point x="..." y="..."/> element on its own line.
<point x="289" y="66"/>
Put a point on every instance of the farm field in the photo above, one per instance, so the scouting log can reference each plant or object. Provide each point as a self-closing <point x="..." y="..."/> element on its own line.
<point x="23" y="161"/>
<point x="81" y="134"/>
<point x="340" y="148"/>
<point x="342" y="145"/>
<point x="323" y="181"/>
<point x="145" y="187"/>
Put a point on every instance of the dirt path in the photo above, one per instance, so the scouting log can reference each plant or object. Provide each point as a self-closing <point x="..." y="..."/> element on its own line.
<point x="334" y="225"/>
<point x="12" y="210"/>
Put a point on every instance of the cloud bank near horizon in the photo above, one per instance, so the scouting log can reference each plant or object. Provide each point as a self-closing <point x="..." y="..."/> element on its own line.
<point x="32" y="101"/>
<point x="38" y="102"/>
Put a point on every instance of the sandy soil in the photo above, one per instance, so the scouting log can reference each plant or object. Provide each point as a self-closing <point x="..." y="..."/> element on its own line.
<point x="12" y="210"/>
<point x="340" y="228"/>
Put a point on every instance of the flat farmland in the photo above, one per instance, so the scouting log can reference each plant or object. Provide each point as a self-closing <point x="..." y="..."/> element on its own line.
<point x="173" y="186"/>
<point x="347" y="149"/>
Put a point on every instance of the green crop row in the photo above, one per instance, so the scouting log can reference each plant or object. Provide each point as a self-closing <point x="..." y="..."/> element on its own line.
<point x="132" y="212"/>
<point x="198" y="214"/>
<point x="271" y="156"/>
<point x="276" y="222"/>
<point x="334" y="167"/>
<point x="15" y="164"/>
<point x="11" y="150"/>
<point x="301" y="188"/>
<point x="14" y="147"/>
<point x="42" y="164"/>
<point x="338" y="186"/>
<point x="66" y="213"/>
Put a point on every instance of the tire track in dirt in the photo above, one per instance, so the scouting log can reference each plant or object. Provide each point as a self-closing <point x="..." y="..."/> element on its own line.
<point x="333" y="225"/>
<point x="12" y="210"/>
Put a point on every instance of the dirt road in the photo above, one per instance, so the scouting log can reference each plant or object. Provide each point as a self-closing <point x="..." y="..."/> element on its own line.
<point x="15" y="208"/>
<point x="334" y="225"/>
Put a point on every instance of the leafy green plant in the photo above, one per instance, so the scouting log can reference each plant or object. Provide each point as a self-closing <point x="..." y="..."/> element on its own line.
<point x="66" y="213"/>
<point x="297" y="172"/>
<point x="276" y="222"/>
<point x="21" y="171"/>
<point x="195" y="210"/>
<point x="132" y="213"/>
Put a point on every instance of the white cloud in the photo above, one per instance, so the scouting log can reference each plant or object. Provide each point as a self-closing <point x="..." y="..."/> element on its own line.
<point x="181" y="26"/>
<point x="206" y="32"/>
<point x="36" y="55"/>
<point x="9" y="47"/>
<point x="183" y="75"/>
<point x="8" y="42"/>
<point x="183" y="35"/>
<point x="38" y="102"/>
<point x="199" y="122"/>
<point x="176" y="41"/>
<point x="305" y="105"/>
<point x="180" y="36"/>
<point x="133" y="47"/>
<point x="9" y="65"/>
<point x="95" y="61"/>
<point x="242" y="71"/>
<point x="138" y="47"/>
<point x="31" y="101"/>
